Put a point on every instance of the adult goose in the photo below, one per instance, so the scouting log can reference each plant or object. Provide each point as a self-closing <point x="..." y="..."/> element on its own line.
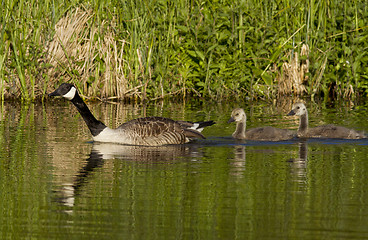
<point x="257" y="134"/>
<point x="324" y="131"/>
<point x="148" y="131"/>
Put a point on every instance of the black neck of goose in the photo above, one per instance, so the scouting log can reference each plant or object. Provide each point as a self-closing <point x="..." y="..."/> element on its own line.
<point x="303" y="124"/>
<point x="240" y="129"/>
<point x="94" y="125"/>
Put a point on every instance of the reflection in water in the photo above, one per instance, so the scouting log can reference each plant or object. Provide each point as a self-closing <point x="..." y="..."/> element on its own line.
<point x="299" y="164"/>
<point x="69" y="191"/>
<point x="319" y="194"/>
<point x="238" y="163"/>
<point x="104" y="151"/>
<point x="142" y="153"/>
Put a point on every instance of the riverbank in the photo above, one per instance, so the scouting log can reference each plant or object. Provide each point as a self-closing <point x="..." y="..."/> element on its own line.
<point x="136" y="51"/>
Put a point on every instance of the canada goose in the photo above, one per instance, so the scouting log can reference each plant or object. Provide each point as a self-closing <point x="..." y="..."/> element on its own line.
<point x="148" y="131"/>
<point x="325" y="131"/>
<point x="257" y="134"/>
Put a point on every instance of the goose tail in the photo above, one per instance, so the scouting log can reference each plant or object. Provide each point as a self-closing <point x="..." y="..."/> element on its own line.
<point x="197" y="126"/>
<point x="190" y="133"/>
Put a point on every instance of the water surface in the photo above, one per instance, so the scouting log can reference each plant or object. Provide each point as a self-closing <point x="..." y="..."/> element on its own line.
<point x="57" y="184"/>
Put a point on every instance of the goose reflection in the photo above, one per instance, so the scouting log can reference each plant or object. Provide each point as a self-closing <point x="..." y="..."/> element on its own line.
<point x="299" y="164"/>
<point x="238" y="162"/>
<point x="101" y="152"/>
<point x="147" y="154"/>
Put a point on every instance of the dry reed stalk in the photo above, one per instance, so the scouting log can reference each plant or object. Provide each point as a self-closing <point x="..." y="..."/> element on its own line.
<point x="349" y="91"/>
<point x="66" y="44"/>
<point x="284" y="104"/>
<point x="293" y="75"/>
<point x="317" y="84"/>
<point x="88" y="55"/>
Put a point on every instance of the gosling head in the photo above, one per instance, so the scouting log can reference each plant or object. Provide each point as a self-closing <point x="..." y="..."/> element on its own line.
<point x="298" y="109"/>
<point x="238" y="115"/>
<point x="65" y="90"/>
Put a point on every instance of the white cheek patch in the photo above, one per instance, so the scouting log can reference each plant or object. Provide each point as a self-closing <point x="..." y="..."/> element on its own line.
<point x="70" y="95"/>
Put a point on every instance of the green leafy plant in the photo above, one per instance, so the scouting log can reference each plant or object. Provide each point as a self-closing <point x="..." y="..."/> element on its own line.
<point x="142" y="50"/>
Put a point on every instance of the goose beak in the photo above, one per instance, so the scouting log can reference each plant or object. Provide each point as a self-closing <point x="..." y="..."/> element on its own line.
<point x="231" y="120"/>
<point x="54" y="93"/>
<point x="291" y="113"/>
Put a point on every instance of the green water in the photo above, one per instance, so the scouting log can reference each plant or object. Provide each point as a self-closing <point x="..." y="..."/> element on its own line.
<point x="56" y="184"/>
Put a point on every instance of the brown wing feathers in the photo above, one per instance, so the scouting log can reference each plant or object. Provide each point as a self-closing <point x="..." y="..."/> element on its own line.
<point x="155" y="126"/>
<point x="190" y="133"/>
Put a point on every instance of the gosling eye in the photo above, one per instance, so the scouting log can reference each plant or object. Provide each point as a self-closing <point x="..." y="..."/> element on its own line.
<point x="297" y="107"/>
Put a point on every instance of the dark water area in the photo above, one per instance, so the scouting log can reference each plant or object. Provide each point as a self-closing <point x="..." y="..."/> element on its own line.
<point x="55" y="183"/>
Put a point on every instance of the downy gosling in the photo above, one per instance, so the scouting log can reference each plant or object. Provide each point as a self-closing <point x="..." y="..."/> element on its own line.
<point x="257" y="134"/>
<point x="324" y="131"/>
<point x="147" y="131"/>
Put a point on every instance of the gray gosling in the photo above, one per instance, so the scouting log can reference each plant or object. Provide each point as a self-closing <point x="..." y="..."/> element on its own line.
<point x="257" y="134"/>
<point x="148" y="131"/>
<point x="324" y="131"/>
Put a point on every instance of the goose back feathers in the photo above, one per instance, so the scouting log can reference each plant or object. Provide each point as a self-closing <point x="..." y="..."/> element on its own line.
<point x="148" y="131"/>
<point x="324" y="131"/>
<point x="257" y="134"/>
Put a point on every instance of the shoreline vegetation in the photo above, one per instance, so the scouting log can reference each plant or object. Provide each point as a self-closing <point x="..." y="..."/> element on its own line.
<point x="149" y="50"/>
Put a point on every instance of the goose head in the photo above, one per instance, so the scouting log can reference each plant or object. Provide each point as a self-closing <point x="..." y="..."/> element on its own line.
<point x="65" y="90"/>
<point x="298" y="109"/>
<point x="238" y="115"/>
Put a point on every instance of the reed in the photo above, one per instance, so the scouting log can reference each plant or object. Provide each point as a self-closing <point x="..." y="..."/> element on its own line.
<point x="145" y="50"/>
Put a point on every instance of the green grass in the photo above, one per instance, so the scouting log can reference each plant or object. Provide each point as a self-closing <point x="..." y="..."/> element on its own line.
<point x="138" y="50"/>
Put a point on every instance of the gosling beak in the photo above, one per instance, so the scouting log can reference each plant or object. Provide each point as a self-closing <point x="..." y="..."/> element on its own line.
<point x="291" y="113"/>
<point x="231" y="120"/>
